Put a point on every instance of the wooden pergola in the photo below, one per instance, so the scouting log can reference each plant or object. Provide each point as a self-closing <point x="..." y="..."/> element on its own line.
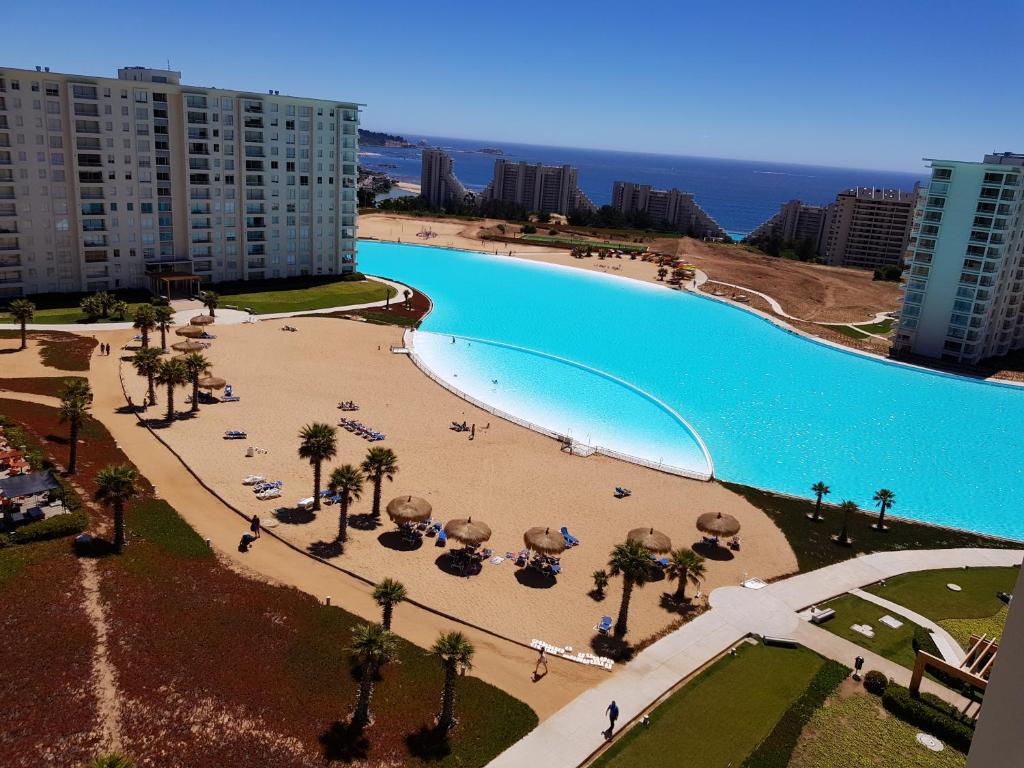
<point x="973" y="670"/>
<point x="164" y="283"/>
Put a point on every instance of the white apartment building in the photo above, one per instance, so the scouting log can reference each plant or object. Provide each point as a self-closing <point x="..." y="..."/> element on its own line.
<point x="964" y="279"/>
<point x="105" y="182"/>
<point x="438" y="184"/>
<point x="867" y="227"/>
<point x="537" y="187"/>
<point x="665" y="207"/>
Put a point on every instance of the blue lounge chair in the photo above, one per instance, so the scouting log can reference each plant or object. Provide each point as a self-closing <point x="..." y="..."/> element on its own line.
<point x="661" y="562"/>
<point x="605" y="626"/>
<point x="554" y="569"/>
<point x="442" y="538"/>
<point x="570" y="540"/>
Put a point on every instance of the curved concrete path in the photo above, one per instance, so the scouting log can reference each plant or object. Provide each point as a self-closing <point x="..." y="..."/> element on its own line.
<point x="573" y="734"/>
<point x="948" y="647"/>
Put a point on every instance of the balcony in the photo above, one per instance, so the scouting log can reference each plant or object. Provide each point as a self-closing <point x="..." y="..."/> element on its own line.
<point x="9" y="245"/>
<point x="201" y="223"/>
<point x="91" y="193"/>
<point x="257" y="264"/>
<point x="198" y="208"/>
<point x="10" y="262"/>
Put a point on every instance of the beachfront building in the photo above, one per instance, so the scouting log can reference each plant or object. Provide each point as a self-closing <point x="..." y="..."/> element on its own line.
<point x="438" y="184"/>
<point x="664" y="208"/>
<point x="867" y="228"/>
<point x="963" y="285"/>
<point x="794" y="223"/>
<point x="537" y="187"/>
<point x="113" y="182"/>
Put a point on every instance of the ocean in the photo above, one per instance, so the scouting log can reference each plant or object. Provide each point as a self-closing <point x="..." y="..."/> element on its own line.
<point x="739" y="194"/>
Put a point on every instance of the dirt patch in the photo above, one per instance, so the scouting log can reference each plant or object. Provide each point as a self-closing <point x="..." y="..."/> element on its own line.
<point x="49" y="386"/>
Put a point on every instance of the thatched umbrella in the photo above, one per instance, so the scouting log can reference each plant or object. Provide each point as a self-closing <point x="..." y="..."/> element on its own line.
<point x="202" y="320"/>
<point x="467" y="531"/>
<point x="544" y="540"/>
<point x="408" y="509"/>
<point x="718" y="524"/>
<point x="187" y="346"/>
<point x="212" y="382"/>
<point x="189" y="331"/>
<point x="650" y="539"/>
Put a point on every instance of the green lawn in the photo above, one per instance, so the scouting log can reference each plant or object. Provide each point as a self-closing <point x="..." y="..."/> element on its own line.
<point x="894" y="644"/>
<point x="847" y="330"/>
<point x="337" y="294"/>
<point x="855" y="732"/>
<point x="575" y="241"/>
<point x="881" y="328"/>
<point x="66" y="315"/>
<point x="974" y="609"/>
<point x="719" y="717"/>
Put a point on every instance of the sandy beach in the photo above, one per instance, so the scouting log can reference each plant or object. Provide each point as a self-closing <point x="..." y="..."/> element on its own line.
<point x="508" y="476"/>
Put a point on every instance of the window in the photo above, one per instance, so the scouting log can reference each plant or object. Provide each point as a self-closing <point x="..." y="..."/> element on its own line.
<point x="942" y="173"/>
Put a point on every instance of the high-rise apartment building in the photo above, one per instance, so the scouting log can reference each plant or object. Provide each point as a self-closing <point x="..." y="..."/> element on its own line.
<point x="665" y="207"/>
<point x="438" y="184"/>
<point x="105" y="182"/>
<point x="963" y="289"/>
<point x="868" y="228"/>
<point x="536" y="187"/>
<point x="795" y="222"/>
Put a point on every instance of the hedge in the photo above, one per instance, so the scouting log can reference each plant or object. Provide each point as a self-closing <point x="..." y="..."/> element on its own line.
<point x="930" y="714"/>
<point x="777" y="748"/>
<point x="54" y="527"/>
<point x="875" y="682"/>
<point x="923" y="641"/>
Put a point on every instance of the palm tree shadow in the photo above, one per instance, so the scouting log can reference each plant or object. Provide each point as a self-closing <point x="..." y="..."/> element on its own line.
<point x="93" y="548"/>
<point x="364" y="522"/>
<point x="612" y="647"/>
<point x="429" y="743"/>
<point x="294" y="516"/>
<point x="325" y="550"/>
<point x="344" y="742"/>
<point x="672" y="605"/>
<point x="597" y="596"/>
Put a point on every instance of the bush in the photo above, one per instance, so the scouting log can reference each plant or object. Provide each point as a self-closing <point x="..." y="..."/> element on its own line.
<point x="5" y="540"/>
<point x="931" y="714"/>
<point x="528" y="229"/>
<point x="923" y="641"/>
<point x="777" y="748"/>
<point x="353" y="277"/>
<point x="55" y="527"/>
<point x="875" y="682"/>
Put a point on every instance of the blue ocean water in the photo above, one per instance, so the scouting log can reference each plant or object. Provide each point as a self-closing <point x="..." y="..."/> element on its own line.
<point x="775" y="410"/>
<point x="739" y="194"/>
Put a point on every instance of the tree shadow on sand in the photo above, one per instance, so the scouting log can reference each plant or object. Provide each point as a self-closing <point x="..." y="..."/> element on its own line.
<point x="364" y="522"/>
<point x="325" y="550"/>
<point x="295" y="516"/>
<point x="344" y="742"/>
<point x="395" y="540"/>
<point x="682" y="607"/>
<point x="429" y="743"/>
<point x="597" y="596"/>
<point x="612" y="647"/>
<point x="711" y="552"/>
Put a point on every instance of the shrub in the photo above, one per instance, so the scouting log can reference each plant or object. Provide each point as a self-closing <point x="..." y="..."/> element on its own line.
<point x="777" y="748"/>
<point x="353" y="277"/>
<point x="923" y="642"/>
<point x="528" y="229"/>
<point x="875" y="682"/>
<point x="930" y="714"/>
<point x="5" y="540"/>
<point x="55" y="527"/>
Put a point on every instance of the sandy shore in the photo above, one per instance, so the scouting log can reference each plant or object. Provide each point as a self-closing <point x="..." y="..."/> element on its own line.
<point x="409" y="186"/>
<point x="508" y="476"/>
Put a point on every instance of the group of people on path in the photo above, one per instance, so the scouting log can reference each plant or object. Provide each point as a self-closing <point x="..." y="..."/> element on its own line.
<point x="104" y="349"/>
<point x="254" y="533"/>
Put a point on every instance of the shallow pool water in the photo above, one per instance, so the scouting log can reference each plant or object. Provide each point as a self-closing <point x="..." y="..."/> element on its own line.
<point x="775" y="410"/>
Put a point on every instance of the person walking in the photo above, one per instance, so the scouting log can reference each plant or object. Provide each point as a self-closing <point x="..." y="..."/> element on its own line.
<point x="254" y="526"/>
<point x="542" y="661"/>
<point x="613" y="714"/>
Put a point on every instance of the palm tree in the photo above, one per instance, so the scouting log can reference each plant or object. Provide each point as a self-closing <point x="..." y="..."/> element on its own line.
<point x="210" y="300"/>
<point x="119" y="309"/>
<point x="74" y="405"/>
<point x="379" y="463"/>
<point x="847" y="507"/>
<point x="373" y="647"/>
<point x="146" y="362"/>
<point x="145" y="321"/>
<point x="884" y="499"/>
<point x="387" y="595"/>
<point x="819" y="489"/>
<point x="196" y="363"/>
<point x="111" y="761"/>
<point x="319" y="444"/>
<point x="687" y="566"/>
<point x="163" y="316"/>
<point x="662" y="271"/>
<point x="172" y="373"/>
<point x="115" y="487"/>
<point x="345" y="481"/>
<point x="633" y="562"/>
<point x="22" y="310"/>
<point x="600" y="581"/>
<point x="456" y="655"/>
<point x="408" y="295"/>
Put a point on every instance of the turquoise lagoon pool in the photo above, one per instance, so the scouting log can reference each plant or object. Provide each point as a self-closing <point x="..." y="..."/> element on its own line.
<point x="775" y="410"/>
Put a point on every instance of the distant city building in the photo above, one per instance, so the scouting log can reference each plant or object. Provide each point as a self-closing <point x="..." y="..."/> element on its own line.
<point x="438" y="184"/>
<point x="536" y="187"/>
<point x="141" y="181"/>
<point x="964" y="279"/>
<point x="868" y="228"/>
<point x="670" y="208"/>
<point x="795" y="222"/>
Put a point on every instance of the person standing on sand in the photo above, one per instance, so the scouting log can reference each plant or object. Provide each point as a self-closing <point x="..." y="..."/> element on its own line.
<point x="613" y="715"/>
<point x="254" y="526"/>
<point x="542" y="661"/>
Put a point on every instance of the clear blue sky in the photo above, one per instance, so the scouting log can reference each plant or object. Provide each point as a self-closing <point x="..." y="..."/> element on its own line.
<point x="869" y="84"/>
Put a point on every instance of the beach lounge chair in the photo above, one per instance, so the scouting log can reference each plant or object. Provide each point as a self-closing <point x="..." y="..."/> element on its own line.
<point x="621" y="493"/>
<point x="229" y="395"/>
<point x="305" y="504"/>
<point x="570" y="540"/>
<point x="523" y="557"/>
<point x="235" y="434"/>
<point x="442" y="538"/>
<point x="660" y="562"/>
<point x="734" y="543"/>
<point x="270" y="493"/>
<point x="253" y="479"/>
<point x="605" y="626"/>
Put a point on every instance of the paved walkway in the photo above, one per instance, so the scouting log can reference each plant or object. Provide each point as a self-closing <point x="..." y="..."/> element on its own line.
<point x="193" y="308"/>
<point x="574" y="733"/>
<point x="948" y="647"/>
